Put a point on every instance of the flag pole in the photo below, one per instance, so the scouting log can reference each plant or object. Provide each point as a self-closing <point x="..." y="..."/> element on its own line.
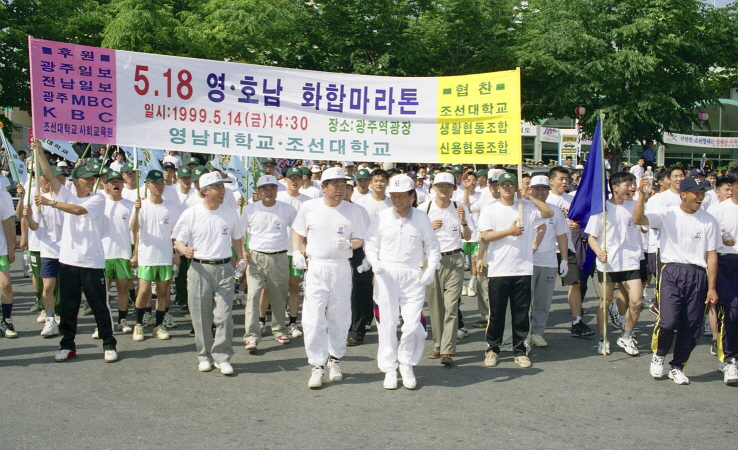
<point x="37" y="177"/>
<point x="84" y="154"/>
<point x="135" y="171"/>
<point x="102" y="167"/>
<point x="603" y="286"/>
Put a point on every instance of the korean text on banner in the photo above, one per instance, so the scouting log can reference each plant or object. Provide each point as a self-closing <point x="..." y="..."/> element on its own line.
<point x="90" y="94"/>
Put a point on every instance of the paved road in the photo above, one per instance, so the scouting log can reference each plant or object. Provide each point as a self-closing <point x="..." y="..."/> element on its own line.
<point x="154" y="397"/>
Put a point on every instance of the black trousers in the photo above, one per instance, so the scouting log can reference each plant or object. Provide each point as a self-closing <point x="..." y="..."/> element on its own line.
<point x="362" y="297"/>
<point x="517" y="291"/>
<point x="73" y="281"/>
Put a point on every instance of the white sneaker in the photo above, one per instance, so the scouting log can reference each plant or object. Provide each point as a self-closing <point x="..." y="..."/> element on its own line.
<point x="538" y="341"/>
<point x="730" y="373"/>
<point x="205" y="366"/>
<point x="463" y="291"/>
<point x="240" y="298"/>
<point x="138" y="332"/>
<point x="124" y="327"/>
<point x="334" y="370"/>
<point x="6" y="326"/>
<point x="169" y="321"/>
<point x="657" y="366"/>
<point x="614" y="315"/>
<point x="706" y="330"/>
<point x="293" y="330"/>
<point x="461" y="333"/>
<point x="629" y="345"/>
<point x="95" y="334"/>
<point x="646" y="298"/>
<point x="408" y="376"/>
<point x="250" y="346"/>
<point x="316" y="378"/>
<point x="50" y="328"/>
<point x="148" y="319"/>
<point x="110" y="356"/>
<point x="225" y="368"/>
<point x="471" y="291"/>
<point x="390" y="380"/>
<point x="161" y="332"/>
<point x="262" y="328"/>
<point x="603" y="348"/>
<point x="64" y="355"/>
<point x="506" y="348"/>
<point x="678" y="376"/>
<point x="41" y="317"/>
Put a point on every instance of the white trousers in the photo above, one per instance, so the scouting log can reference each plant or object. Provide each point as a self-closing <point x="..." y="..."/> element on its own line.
<point x="326" y="310"/>
<point x="397" y="291"/>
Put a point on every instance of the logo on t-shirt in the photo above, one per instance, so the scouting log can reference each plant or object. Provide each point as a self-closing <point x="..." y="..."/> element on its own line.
<point x="455" y="227"/>
<point x="124" y="216"/>
<point x="278" y="226"/>
<point x="630" y="222"/>
<point x="166" y="220"/>
<point x="698" y="234"/>
<point x="224" y="230"/>
<point x="551" y="221"/>
<point x="341" y="227"/>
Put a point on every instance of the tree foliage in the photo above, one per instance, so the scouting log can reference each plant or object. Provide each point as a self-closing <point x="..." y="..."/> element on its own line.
<point x="644" y="64"/>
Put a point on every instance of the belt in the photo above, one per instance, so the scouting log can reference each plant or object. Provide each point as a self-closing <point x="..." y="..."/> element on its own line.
<point x="458" y="250"/>
<point x="212" y="262"/>
<point x="270" y="253"/>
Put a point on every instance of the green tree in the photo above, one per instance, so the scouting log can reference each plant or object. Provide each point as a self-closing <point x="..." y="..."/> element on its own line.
<point x="645" y="64"/>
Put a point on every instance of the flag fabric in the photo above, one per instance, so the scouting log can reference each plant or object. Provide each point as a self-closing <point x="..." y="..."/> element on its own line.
<point x="61" y="148"/>
<point x="703" y="161"/>
<point x="233" y="165"/>
<point x="144" y="160"/>
<point x="19" y="171"/>
<point x="588" y="200"/>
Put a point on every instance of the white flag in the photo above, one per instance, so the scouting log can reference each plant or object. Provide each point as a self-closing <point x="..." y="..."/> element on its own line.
<point x="61" y="148"/>
<point x="18" y="169"/>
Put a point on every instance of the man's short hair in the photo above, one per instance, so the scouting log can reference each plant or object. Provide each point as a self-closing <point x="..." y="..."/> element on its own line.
<point x="732" y="177"/>
<point x="380" y="173"/>
<point x="621" y="177"/>
<point x="673" y="168"/>
<point x="721" y="181"/>
<point x="552" y="172"/>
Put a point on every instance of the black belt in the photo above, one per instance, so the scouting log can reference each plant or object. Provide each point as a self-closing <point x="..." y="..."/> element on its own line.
<point x="212" y="262"/>
<point x="270" y="253"/>
<point x="458" y="250"/>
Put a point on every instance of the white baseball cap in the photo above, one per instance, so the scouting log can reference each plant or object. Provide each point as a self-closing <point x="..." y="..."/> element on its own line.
<point x="212" y="179"/>
<point x="494" y="175"/>
<point x="333" y="173"/>
<point x="539" y="181"/>
<point x="349" y="163"/>
<point x="444" y="178"/>
<point x="400" y="183"/>
<point x="267" y="180"/>
<point x="315" y="168"/>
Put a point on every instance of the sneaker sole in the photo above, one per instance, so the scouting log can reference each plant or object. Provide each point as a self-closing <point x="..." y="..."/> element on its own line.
<point x="69" y="356"/>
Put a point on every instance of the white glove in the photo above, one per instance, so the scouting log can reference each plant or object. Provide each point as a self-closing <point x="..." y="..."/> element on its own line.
<point x="428" y="276"/>
<point x="342" y="244"/>
<point x="563" y="268"/>
<point x="298" y="260"/>
<point x="364" y="267"/>
<point x="377" y="267"/>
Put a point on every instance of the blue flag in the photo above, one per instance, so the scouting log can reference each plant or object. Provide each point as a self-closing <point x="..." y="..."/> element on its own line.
<point x="589" y="201"/>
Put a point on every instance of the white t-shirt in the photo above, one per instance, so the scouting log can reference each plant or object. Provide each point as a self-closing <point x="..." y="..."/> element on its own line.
<point x="194" y="199"/>
<point x="564" y="203"/>
<point x="174" y="159"/>
<point x="81" y="242"/>
<point x="130" y="194"/>
<point x="312" y="192"/>
<point x="49" y="232"/>
<point x="210" y="232"/>
<point x="6" y="212"/>
<point x="356" y="195"/>
<point x="116" y="236"/>
<point x="408" y="240"/>
<point x="545" y="256"/>
<point x="296" y="202"/>
<point x="371" y="206"/>
<point x="726" y="214"/>
<point x="170" y="195"/>
<point x="449" y="235"/>
<point x="156" y="224"/>
<point x="269" y="227"/>
<point x="422" y="195"/>
<point x="511" y="255"/>
<point x="711" y="198"/>
<point x="624" y="241"/>
<point x="184" y="197"/>
<point x="684" y="238"/>
<point x="638" y="171"/>
<point x="322" y="225"/>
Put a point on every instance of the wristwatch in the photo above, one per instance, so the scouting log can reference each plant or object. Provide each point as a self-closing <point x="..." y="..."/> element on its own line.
<point x="53" y="203"/>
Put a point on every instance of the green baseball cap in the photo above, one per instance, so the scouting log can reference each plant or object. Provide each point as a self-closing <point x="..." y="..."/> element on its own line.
<point x="209" y="165"/>
<point x="268" y="160"/>
<point x="259" y="173"/>
<point x="199" y="171"/>
<point x="54" y="170"/>
<point x="306" y="171"/>
<point x="127" y="167"/>
<point x="192" y="160"/>
<point x="363" y="174"/>
<point x="293" y="171"/>
<point x="457" y="169"/>
<point x="184" y="171"/>
<point x="113" y="175"/>
<point x="154" y="176"/>
<point x="84" y="172"/>
<point x="95" y="165"/>
<point x="507" y="176"/>
<point x="482" y="173"/>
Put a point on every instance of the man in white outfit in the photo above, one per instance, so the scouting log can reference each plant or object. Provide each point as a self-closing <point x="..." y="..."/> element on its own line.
<point x="332" y="228"/>
<point x="397" y="242"/>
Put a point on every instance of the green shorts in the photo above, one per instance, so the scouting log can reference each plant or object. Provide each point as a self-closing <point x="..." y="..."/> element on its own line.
<point x="118" y="269"/>
<point x="4" y="264"/>
<point x="294" y="272"/>
<point x="470" y="248"/>
<point x="155" y="273"/>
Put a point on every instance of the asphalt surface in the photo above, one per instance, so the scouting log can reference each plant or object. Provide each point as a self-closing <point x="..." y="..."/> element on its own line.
<point x="154" y="397"/>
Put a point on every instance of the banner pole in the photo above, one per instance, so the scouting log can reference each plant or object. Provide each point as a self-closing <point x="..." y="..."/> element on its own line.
<point x="102" y="166"/>
<point x="37" y="177"/>
<point x="603" y="286"/>
<point x="135" y="171"/>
